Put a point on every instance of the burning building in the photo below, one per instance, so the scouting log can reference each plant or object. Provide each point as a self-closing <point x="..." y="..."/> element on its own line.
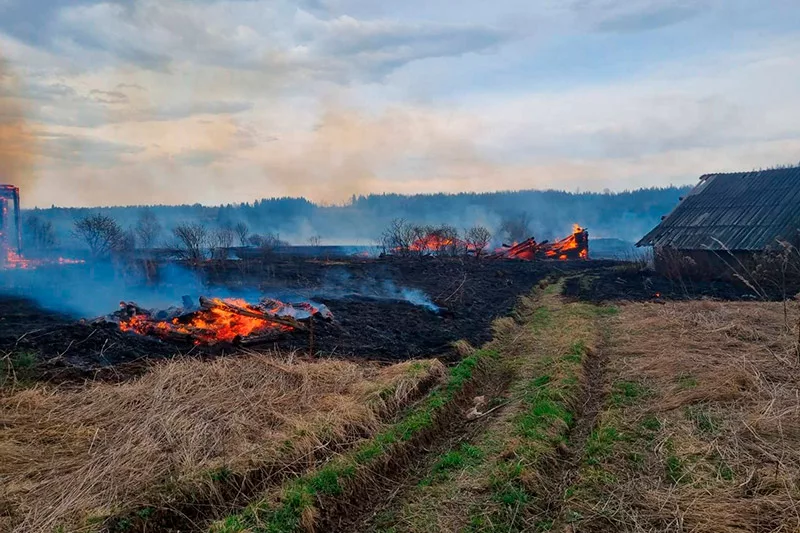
<point x="575" y="246"/>
<point x="10" y="229"/>
<point x="728" y="219"/>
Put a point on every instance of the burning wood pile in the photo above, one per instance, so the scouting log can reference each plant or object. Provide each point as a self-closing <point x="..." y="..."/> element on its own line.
<point x="576" y="246"/>
<point x="218" y="320"/>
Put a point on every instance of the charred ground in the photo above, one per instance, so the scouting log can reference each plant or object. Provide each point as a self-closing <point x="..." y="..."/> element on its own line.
<point x="373" y="317"/>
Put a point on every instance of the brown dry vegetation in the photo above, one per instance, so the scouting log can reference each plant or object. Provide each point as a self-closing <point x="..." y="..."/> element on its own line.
<point x="701" y="430"/>
<point x="70" y="455"/>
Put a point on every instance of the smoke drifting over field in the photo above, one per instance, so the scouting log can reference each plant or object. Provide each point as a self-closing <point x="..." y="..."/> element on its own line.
<point x="91" y="290"/>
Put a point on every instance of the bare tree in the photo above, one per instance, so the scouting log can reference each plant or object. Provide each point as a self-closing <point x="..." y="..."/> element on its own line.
<point x="438" y="240"/>
<point x="515" y="228"/>
<point x="101" y="233"/>
<point x="40" y="233"/>
<point x="314" y="240"/>
<point x="126" y="242"/>
<point x="148" y="228"/>
<point x="398" y="236"/>
<point x="221" y="242"/>
<point x="449" y="242"/>
<point x="242" y="231"/>
<point x="477" y="239"/>
<point x="267" y="242"/>
<point x="191" y="241"/>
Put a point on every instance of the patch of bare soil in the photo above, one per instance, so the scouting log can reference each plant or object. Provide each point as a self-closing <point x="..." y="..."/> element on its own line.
<point x="592" y="402"/>
<point x="629" y="283"/>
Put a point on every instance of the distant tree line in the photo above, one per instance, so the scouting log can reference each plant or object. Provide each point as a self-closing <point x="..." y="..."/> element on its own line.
<point x="266" y="224"/>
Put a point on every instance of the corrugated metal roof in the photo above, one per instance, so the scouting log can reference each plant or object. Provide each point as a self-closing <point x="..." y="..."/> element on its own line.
<point x="737" y="211"/>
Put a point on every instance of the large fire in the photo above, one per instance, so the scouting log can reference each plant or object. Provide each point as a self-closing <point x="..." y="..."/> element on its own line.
<point x="576" y="246"/>
<point x="218" y="320"/>
<point x="208" y="326"/>
<point x="575" y="242"/>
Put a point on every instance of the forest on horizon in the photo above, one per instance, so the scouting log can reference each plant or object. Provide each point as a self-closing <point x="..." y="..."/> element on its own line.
<point x="549" y="214"/>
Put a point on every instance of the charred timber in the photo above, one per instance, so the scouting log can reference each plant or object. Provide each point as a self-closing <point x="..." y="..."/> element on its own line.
<point x="208" y="303"/>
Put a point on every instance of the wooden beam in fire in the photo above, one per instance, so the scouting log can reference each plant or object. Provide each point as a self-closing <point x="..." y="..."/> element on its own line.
<point x="209" y="303"/>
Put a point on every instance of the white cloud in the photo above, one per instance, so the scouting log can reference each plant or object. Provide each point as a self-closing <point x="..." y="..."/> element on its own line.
<point x="227" y="100"/>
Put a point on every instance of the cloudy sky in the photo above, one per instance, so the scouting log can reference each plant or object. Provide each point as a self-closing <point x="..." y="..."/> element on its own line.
<point x="166" y="101"/>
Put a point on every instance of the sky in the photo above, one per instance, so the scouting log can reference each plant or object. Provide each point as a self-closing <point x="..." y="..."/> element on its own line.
<point x="126" y="102"/>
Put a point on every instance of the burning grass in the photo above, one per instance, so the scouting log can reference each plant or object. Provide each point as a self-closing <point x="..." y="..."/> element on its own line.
<point x="701" y="427"/>
<point x="72" y="457"/>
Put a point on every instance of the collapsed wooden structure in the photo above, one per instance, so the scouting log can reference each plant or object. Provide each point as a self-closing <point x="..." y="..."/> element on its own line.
<point x="574" y="247"/>
<point x="217" y="320"/>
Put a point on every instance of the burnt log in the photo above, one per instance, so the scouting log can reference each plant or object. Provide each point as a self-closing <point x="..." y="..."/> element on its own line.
<point x="208" y="303"/>
<point x="255" y="340"/>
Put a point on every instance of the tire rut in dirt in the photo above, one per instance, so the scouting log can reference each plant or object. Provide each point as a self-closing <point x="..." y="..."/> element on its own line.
<point x="390" y="488"/>
<point x="594" y="395"/>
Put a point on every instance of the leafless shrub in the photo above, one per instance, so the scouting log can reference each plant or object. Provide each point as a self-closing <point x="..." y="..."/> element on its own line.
<point x="101" y="233"/>
<point x="148" y="229"/>
<point x="446" y="241"/>
<point x="398" y="237"/>
<point x="675" y="266"/>
<point x="221" y="242"/>
<point x="126" y="242"/>
<point x="477" y="239"/>
<point x="266" y="243"/>
<point x="242" y="232"/>
<point x="191" y="241"/>
<point x="40" y="234"/>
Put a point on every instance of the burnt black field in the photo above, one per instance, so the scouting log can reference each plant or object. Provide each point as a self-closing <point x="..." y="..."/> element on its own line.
<point x="385" y="309"/>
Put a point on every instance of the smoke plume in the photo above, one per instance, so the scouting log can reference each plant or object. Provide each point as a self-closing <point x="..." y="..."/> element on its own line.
<point x="352" y="152"/>
<point x="17" y="141"/>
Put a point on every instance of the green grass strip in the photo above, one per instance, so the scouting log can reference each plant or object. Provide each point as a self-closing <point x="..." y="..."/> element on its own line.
<point x="299" y="497"/>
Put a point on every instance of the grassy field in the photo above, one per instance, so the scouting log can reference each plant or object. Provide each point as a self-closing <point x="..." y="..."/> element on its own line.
<point x="638" y="417"/>
<point x="701" y="427"/>
<point x="187" y="430"/>
<point x="675" y="417"/>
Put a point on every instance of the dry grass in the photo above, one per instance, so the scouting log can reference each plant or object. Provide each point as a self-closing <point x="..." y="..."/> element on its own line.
<point x="69" y="455"/>
<point x="708" y="438"/>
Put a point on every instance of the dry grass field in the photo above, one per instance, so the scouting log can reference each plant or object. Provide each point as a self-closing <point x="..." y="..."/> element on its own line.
<point x="701" y="426"/>
<point x="69" y="457"/>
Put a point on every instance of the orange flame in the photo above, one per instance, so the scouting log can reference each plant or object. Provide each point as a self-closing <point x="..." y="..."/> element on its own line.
<point x="562" y="250"/>
<point x="13" y="260"/>
<point x="433" y="243"/>
<point x="208" y="326"/>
